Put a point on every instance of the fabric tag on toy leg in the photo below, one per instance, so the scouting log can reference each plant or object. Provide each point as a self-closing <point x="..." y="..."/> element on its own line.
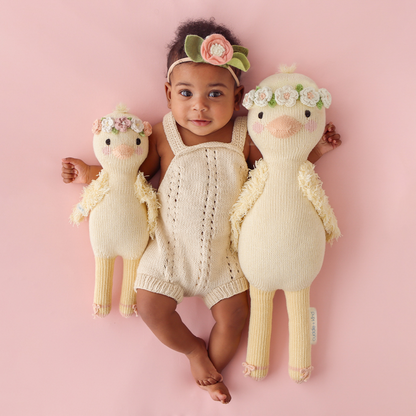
<point x="314" y="325"/>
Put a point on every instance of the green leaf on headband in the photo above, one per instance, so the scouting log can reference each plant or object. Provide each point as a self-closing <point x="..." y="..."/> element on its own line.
<point x="241" y="49"/>
<point x="142" y="134"/>
<point x="299" y="87"/>
<point x="319" y="104"/>
<point x="115" y="131"/>
<point x="240" y="61"/>
<point x="272" y="103"/>
<point x="193" y="47"/>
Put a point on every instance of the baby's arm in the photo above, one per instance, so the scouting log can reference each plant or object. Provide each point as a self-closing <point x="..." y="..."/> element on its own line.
<point x="330" y="140"/>
<point x="76" y="171"/>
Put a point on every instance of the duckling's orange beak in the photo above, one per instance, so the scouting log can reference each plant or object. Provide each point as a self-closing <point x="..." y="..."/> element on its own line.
<point x="283" y="127"/>
<point x="123" y="151"/>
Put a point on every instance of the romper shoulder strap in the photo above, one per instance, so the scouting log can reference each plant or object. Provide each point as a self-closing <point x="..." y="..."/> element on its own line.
<point x="172" y="134"/>
<point x="239" y="132"/>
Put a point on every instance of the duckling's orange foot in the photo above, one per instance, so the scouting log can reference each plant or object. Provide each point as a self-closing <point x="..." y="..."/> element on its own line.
<point x="300" y="375"/>
<point x="128" y="310"/>
<point x="100" y="310"/>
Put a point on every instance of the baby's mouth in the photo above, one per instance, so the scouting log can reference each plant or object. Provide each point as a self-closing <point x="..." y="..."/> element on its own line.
<point x="200" y="123"/>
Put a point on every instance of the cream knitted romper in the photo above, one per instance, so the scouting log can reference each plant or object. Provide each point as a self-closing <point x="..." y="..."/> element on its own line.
<point x="190" y="255"/>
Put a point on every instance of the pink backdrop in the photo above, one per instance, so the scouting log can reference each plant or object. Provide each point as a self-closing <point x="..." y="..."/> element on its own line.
<point x="65" y="63"/>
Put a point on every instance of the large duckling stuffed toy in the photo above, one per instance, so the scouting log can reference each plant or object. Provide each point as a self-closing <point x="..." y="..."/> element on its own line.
<point x="122" y="206"/>
<point x="282" y="219"/>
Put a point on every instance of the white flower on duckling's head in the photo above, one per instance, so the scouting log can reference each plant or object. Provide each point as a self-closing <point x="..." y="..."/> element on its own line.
<point x="309" y="97"/>
<point x="137" y="125"/>
<point x="107" y="124"/>
<point x="248" y="101"/>
<point x="286" y="95"/>
<point x="262" y="96"/>
<point x="326" y="97"/>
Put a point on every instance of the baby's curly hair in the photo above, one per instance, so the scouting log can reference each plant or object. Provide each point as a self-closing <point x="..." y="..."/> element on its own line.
<point x="201" y="28"/>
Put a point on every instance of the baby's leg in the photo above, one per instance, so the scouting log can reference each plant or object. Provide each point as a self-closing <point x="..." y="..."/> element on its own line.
<point x="159" y="314"/>
<point x="230" y="316"/>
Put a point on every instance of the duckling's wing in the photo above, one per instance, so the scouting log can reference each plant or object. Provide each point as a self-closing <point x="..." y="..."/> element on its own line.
<point x="147" y="195"/>
<point x="91" y="196"/>
<point x="311" y="186"/>
<point x="250" y="193"/>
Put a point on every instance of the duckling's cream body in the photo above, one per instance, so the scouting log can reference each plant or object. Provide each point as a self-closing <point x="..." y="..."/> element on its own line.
<point x="287" y="218"/>
<point x="282" y="233"/>
<point x="119" y="235"/>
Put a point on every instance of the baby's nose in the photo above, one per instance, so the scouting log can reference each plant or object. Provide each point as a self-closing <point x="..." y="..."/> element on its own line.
<point x="123" y="151"/>
<point x="283" y="127"/>
<point x="200" y="104"/>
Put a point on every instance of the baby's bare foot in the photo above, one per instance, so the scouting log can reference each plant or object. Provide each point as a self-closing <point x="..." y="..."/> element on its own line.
<point x="218" y="392"/>
<point x="202" y="368"/>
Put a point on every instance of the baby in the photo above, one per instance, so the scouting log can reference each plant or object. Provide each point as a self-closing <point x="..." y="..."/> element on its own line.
<point x="202" y="153"/>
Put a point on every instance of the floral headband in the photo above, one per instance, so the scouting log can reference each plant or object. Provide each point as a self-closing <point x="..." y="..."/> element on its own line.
<point x="122" y="124"/>
<point x="288" y="96"/>
<point x="214" y="50"/>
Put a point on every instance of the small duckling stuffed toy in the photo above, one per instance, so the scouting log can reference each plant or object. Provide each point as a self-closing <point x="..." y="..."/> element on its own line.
<point x="122" y="206"/>
<point x="282" y="219"/>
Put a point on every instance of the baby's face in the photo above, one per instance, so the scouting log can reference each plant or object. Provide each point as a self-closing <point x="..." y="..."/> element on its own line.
<point x="202" y="97"/>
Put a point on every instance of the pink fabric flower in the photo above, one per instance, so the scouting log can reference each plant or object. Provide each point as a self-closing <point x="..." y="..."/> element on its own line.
<point x="147" y="130"/>
<point x="122" y="124"/>
<point x="216" y="50"/>
<point x="96" y="126"/>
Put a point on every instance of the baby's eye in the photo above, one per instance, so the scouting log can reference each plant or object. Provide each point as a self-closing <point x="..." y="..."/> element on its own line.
<point x="108" y="141"/>
<point x="186" y="93"/>
<point x="307" y="113"/>
<point x="261" y="115"/>
<point x="138" y="141"/>
<point x="214" y="94"/>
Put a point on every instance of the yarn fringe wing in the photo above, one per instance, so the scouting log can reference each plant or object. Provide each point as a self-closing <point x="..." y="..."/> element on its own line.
<point x="91" y="196"/>
<point x="311" y="186"/>
<point x="250" y="193"/>
<point x="147" y="195"/>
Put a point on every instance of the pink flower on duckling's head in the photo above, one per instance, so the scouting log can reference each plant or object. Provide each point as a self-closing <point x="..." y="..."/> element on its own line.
<point x="122" y="124"/>
<point x="147" y="128"/>
<point x="96" y="127"/>
<point x="216" y="50"/>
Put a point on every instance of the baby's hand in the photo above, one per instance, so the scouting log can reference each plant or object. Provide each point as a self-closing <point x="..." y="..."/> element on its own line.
<point x="329" y="141"/>
<point x="75" y="171"/>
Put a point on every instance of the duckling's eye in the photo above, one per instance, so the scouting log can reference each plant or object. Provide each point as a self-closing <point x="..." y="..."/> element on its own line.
<point x="307" y="113"/>
<point x="261" y="115"/>
<point x="138" y="141"/>
<point x="108" y="141"/>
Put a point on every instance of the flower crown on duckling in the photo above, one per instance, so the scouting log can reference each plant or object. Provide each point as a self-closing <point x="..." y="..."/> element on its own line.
<point x="121" y="124"/>
<point x="287" y="95"/>
<point x="214" y="50"/>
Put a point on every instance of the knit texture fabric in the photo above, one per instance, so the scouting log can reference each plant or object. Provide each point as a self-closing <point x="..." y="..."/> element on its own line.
<point x="191" y="254"/>
<point x="286" y="219"/>
<point x="123" y="210"/>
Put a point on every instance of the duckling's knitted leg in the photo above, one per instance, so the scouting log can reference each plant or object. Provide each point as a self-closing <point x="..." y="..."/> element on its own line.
<point x="128" y="305"/>
<point x="104" y="269"/>
<point x="299" y="335"/>
<point x="259" y="333"/>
